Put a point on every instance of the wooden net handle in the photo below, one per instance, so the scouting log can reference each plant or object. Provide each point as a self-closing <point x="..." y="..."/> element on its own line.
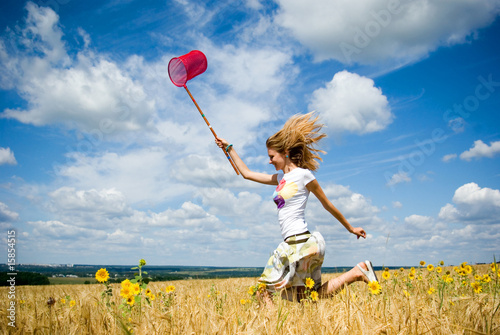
<point x="212" y="129"/>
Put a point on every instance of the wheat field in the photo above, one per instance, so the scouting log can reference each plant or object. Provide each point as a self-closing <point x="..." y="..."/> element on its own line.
<point x="423" y="300"/>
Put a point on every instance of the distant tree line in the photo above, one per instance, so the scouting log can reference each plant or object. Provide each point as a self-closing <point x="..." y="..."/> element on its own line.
<point x="23" y="278"/>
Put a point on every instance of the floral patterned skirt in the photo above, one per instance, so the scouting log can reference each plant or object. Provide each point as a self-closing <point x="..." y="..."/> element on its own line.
<point x="296" y="259"/>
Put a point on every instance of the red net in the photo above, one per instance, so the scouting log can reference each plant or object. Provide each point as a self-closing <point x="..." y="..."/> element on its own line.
<point x="183" y="68"/>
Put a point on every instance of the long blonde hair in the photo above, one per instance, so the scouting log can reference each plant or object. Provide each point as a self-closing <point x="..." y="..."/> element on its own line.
<point x="297" y="136"/>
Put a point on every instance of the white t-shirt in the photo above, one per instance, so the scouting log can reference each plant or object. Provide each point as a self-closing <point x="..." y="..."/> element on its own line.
<point x="291" y="197"/>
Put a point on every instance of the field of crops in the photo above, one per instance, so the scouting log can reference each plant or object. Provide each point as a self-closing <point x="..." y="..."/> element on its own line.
<point x="427" y="299"/>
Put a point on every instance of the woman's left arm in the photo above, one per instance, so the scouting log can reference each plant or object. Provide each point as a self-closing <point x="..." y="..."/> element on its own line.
<point x="316" y="189"/>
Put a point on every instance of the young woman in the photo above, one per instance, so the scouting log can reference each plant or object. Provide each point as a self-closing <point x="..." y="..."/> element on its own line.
<point x="301" y="254"/>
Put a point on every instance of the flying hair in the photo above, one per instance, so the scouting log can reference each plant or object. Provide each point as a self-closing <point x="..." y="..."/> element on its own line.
<point x="298" y="136"/>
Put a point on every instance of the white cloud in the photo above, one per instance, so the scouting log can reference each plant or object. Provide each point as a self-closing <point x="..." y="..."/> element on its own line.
<point x="397" y="178"/>
<point x="140" y="175"/>
<point x="381" y="30"/>
<point x="7" y="157"/>
<point x="397" y="204"/>
<point x="6" y="215"/>
<point x="42" y="34"/>
<point x="449" y="158"/>
<point x="250" y="71"/>
<point x="62" y="231"/>
<point x="89" y="92"/>
<point x="253" y="4"/>
<point x="108" y="202"/>
<point x="481" y="149"/>
<point x="352" y="103"/>
<point x="188" y="215"/>
<point x="197" y="13"/>
<point x="473" y="203"/>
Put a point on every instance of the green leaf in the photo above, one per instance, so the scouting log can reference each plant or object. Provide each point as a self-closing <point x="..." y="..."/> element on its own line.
<point x="144" y="272"/>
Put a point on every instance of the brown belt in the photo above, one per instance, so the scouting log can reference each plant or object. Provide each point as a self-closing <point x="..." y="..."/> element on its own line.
<point x="299" y="241"/>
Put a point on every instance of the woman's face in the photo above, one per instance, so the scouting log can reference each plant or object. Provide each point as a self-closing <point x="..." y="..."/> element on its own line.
<point x="276" y="159"/>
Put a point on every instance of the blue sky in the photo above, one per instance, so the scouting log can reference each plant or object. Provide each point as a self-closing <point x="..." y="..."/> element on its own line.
<point x="104" y="161"/>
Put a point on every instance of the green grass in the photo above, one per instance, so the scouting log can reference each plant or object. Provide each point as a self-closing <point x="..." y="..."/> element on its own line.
<point x="70" y="281"/>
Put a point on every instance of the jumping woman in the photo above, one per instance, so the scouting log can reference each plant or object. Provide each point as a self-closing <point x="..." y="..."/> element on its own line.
<point x="300" y="256"/>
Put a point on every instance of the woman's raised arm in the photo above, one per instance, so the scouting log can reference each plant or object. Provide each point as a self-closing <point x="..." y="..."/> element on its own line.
<point x="263" y="178"/>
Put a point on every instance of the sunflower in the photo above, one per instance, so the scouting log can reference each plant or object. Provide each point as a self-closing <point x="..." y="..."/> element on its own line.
<point x="261" y="287"/>
<point x="131" y="300"/>
<point x="251" y="290"/>
<point x="422" y="263"/>
<point x="486" y="278"/>
<point x="386" y="275"/>
<point x="309" y="283"/>
<point x="102" y="275"/>
<point x="170" y="288"/>
<point x="477" y="287"/>
<point x="243" y="301"/>
<point x="431" y="290"/>
<point x="411" y="275"/>
<point x="374" y="287"/>
<point x="314" y="296"/>
<point x="126" y="292"/>
<point x="72" y="303"/>
<point x="447" y="278"/>
<point x="136" y="289"/>
<point x="439" y="269"/>
<point x="126" y="283"/>
<point x="430" y="267"/>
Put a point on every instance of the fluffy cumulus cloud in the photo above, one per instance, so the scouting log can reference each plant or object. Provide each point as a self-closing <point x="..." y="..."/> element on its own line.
<point x="473" y="203"/>
<point x="352" y="103"/>
<point x="139" y="175"/>
<point x="188" y="215"/>
<point x="381" y="30"/>
<point x="7" y="157"/>
<point x="107" y="202"/>
<point x="432" y="239"/>
<point x="62" y="231"/>
<point x="481" y="149"/>
<point x="86" y="91"/>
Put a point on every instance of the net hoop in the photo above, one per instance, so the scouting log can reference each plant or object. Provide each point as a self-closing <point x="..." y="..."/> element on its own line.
<point x="184" y="68"/>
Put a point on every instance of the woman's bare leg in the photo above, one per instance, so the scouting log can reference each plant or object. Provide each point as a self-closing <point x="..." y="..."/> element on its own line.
<point x="333" y="286"/>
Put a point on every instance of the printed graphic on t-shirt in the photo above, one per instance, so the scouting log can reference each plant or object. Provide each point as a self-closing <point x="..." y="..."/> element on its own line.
<point x="284" y="191"/>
